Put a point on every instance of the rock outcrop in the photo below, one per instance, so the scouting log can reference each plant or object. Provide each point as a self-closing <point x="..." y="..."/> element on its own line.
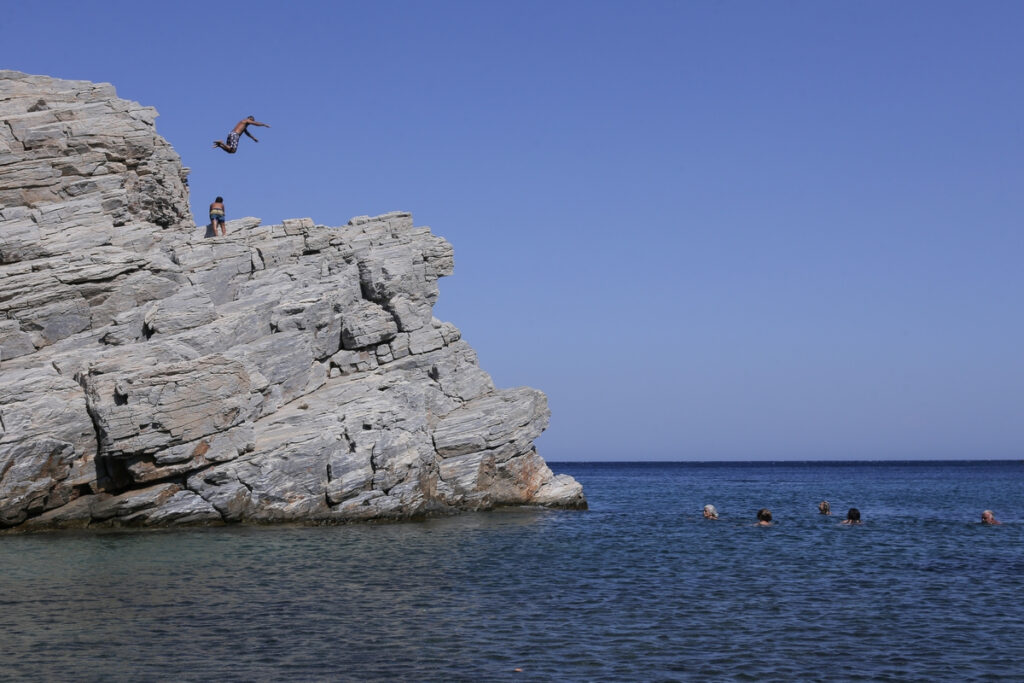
<point x="292" y="372"/>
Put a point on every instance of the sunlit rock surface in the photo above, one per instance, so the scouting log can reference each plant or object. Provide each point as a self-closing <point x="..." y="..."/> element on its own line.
<point x="292" y="372"/>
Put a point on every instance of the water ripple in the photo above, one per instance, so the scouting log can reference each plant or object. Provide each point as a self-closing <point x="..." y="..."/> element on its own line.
<point x="639" y="588"/>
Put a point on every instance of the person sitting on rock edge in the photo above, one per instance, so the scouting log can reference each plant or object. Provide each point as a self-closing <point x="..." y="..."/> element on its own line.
<point x="217" y="216"/>
<point x="241" y="127"/>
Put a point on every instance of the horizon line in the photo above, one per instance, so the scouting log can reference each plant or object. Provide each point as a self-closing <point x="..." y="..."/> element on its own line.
<point x="785" y="461"/>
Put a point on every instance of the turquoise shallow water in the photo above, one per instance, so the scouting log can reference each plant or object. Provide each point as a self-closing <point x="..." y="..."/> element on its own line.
<point x="637" y="588"/>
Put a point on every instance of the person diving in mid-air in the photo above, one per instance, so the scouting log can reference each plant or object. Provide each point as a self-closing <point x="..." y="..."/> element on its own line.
<point x="231" y="146"/>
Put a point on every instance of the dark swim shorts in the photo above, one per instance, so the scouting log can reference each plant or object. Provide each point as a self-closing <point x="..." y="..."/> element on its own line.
<point x="233" y="140"/>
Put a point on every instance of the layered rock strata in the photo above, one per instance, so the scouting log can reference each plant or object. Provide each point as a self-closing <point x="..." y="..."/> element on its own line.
<point x="291" y="372"/>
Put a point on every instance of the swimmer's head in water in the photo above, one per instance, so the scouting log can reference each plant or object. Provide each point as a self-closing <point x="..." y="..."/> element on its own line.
<point x="825" y="508"/>
<point x="853" y="515"/>
<point x="710" y="512"/>
<point x="764" y="515"/>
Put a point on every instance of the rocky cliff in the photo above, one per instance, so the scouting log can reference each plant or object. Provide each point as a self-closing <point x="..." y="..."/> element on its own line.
<point x="292" y="372"/>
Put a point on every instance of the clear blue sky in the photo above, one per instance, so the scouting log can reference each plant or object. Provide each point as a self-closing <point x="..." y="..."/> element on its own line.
<point x="708" y="230"/>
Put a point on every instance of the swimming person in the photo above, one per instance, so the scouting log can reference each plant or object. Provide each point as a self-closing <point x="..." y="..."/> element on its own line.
<point x="217" y="216"/>
<point x="241" y="127"/>
<point x="988" y="518"/>
<point x="764" y="517"/>
<point x="852" y="517"/>
<point x="824" y="508"/>
<point x="710" y="512"/>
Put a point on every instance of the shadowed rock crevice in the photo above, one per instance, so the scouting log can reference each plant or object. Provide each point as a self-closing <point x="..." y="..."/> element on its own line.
<point x="290" y="372"/>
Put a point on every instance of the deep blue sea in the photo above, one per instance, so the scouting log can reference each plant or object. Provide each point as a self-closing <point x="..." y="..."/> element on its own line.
<point x="638" y="588"/>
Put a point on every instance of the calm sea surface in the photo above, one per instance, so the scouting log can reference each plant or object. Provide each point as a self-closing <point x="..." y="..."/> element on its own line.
<point x="639" y="588"/>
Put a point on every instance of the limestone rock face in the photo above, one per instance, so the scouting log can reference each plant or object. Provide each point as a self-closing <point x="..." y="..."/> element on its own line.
<point x="292" y="372"/>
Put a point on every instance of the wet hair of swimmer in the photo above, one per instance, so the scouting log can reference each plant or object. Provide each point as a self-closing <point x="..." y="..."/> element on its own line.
<point x="853" y="515"/>
<point x="824" y="507"/>
<point x="219" y="200"/>
<point x="764" y="515"/>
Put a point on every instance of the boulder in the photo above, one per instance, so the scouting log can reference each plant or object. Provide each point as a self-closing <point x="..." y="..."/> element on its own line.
<point x="151" y="376"/>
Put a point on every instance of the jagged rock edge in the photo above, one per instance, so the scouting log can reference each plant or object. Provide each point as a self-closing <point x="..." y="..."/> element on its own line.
<point x="166" y="237"/>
